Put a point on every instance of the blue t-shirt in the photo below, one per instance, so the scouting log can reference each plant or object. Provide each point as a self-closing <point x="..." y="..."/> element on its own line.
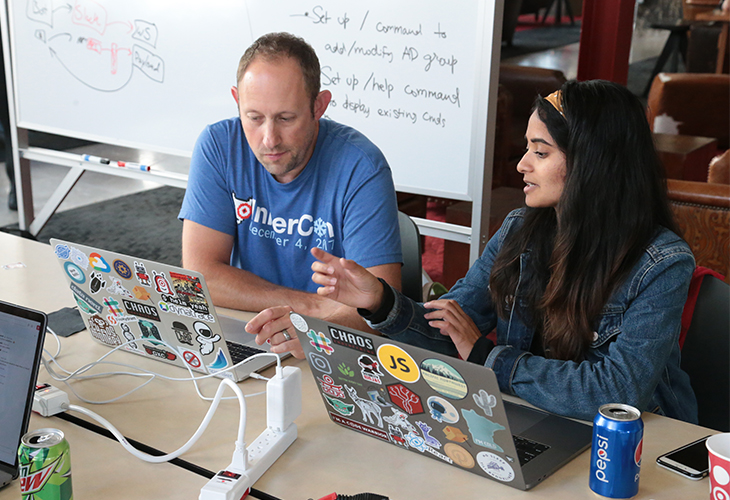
<point x="342" y="202"/>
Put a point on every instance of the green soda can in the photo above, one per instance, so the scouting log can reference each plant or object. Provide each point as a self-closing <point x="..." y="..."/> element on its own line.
<point x="44" y="459"/>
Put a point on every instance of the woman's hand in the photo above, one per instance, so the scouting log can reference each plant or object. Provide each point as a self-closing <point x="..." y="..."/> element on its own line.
<point x="346" y="281"/>
<point x="451" y="320"/>
<point x="273" y="325"/>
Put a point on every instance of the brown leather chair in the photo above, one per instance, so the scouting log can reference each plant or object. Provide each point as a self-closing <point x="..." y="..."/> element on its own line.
<point x="691" y="104"/>
<point x="702" y="211"/>
<point x="719" y="172"/>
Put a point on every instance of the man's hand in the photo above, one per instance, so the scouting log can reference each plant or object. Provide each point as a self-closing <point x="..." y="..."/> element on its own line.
<point x="270" y="326"/>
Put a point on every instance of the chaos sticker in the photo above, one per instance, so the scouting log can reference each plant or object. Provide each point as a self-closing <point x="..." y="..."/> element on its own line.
<point x="459" y="455"/>
<point x="103" y="331"/>
<point x="369" y="369"/>
<point x="159" y="353"/>
<point x="442" y="411"/>
<point x="122" y="269"/>
<point x="330" y="388"/>
<point x="86" y="298"/>
<point x="161" y="283"/>
<point x="485" y="401"/>
<point x="189" y="292"/>
<point x="482" y="430"/>
<point x="370" y="409"/>
<point x="405" y="399"/>
<point x="74" y="272"/>
<point x="98" y="263"/>
<point x="149" y="332"/>
<point x="352" y="424"/>
<point x="443" y="378"/>
<point x="320" y="363"/>
<point x="62" y="251"/>
<point x="299" y="322"/>
<point x="398" y="363"/>
<point x="182" y="333"/>
<point x="455" y="434"/>
<point x="495" y="466"/>
<point x="205" y="337"/>
<point x="340" y="406"/>
<point x="143" y="310"/>
<point x="320" y="342"/>
<point x="96" y="282"/>
<point x="352" y="340"/>
<point x="117" y="288"/>
<point x="140" y="271"/>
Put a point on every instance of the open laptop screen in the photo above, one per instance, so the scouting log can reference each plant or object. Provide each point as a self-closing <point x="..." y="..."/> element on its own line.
<point x="21" y="340"/>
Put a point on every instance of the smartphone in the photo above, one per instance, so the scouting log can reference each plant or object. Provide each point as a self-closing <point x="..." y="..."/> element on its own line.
<point x="690" y="460"/>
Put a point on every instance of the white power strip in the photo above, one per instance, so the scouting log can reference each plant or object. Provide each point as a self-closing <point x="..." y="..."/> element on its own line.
<point x="234" y="483"/>
<point x="283" y="405"/>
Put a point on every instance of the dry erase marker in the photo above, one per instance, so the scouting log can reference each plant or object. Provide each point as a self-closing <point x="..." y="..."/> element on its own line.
<point x="96" y="159"/>
<point x="136" y="166"/>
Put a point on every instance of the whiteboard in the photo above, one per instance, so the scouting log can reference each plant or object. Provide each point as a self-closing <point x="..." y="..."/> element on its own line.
<point x="411" y="75"/>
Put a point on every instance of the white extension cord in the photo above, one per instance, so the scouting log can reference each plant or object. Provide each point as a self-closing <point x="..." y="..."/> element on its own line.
<point x="248" y="464"/>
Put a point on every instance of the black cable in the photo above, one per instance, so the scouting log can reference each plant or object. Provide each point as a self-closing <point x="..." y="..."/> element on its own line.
<point x="189" y="466"/>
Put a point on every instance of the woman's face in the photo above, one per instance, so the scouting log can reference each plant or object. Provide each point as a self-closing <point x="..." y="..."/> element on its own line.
<point x="542" y="166"/>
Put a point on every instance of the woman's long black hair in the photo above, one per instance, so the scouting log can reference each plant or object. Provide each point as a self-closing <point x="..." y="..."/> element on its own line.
<point x="612" y="205"/>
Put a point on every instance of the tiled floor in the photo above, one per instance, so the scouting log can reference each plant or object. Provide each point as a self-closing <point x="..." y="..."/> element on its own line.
<point x="93" y="187"/>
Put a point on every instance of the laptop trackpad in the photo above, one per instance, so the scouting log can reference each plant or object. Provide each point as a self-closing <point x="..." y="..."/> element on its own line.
<point x="521" y="417"/>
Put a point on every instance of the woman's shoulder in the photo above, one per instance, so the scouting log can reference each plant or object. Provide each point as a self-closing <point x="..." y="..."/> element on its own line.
<point x="666" y="244"/>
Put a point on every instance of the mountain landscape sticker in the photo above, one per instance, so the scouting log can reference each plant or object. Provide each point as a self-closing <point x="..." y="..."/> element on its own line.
<point x="444" y="379"/>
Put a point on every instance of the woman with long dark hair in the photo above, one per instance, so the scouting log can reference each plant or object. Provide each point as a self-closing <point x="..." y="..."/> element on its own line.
<point x="585" y="285"/>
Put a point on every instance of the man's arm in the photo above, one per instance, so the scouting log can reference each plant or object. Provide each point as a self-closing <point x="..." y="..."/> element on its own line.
<point x="209" y="252"/>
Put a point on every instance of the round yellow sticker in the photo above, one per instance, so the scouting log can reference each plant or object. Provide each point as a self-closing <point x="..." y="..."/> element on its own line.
<point x="398" y="363"/>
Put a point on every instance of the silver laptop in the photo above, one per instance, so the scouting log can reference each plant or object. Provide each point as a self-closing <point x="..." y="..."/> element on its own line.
<point x="123" y="298"/>
<point x="435" y="405"/>
<point x="21" y="343"/>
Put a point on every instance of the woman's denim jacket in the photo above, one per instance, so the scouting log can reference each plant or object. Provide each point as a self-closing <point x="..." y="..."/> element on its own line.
<point x="634" y="358"/>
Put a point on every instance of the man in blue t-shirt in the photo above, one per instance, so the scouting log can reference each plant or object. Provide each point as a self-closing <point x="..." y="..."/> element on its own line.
<point x="267" y="187"/>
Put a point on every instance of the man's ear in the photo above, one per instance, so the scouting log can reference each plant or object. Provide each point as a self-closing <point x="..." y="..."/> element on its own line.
<point x="234" y="93"/>
<point x="321" y="102"/>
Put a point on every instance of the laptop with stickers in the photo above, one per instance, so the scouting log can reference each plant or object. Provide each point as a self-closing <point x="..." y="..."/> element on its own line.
<point x="123" y="298"/>
<point x="435" y="405"/>
<point x="21" y="345"/>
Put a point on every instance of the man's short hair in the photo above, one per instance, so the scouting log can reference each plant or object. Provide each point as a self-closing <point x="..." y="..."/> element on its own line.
<point x="274" y="46"/>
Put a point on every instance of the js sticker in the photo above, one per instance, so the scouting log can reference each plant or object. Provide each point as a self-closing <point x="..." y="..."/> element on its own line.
<point x="398" y="363"/>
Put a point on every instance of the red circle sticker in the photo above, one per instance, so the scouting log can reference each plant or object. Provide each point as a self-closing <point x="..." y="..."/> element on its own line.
<point x="244" y="210"/>
<point x="191" y="359"/>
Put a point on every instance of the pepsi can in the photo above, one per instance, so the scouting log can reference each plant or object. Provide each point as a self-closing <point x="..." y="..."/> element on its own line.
<point x="618" y="435"/>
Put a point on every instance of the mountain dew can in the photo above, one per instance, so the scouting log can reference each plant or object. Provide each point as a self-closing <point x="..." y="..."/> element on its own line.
<point x="44" y="459"/>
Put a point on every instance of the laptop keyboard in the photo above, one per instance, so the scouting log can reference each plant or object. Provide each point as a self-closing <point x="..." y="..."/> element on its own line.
<point x="527" y="449"/>
<point x="239" y="352"/>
